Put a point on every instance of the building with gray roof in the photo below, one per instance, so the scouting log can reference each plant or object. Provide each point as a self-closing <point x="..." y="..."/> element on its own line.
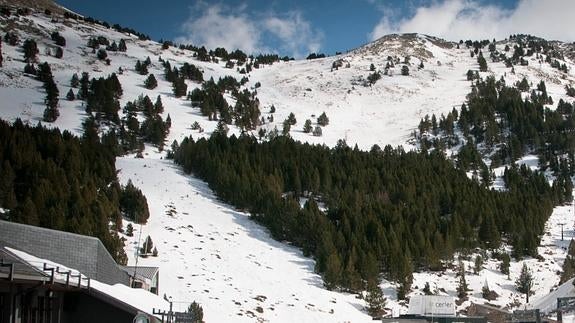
<point x="79" y="252"/>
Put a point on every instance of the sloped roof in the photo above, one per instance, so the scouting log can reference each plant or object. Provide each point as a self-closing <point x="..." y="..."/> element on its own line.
<point x="21" y="269"/>
<point x="86" y="254"/>
<point x="134" y="300"/>
<point x="548" y="303"/>
<point x="141" y="272"/>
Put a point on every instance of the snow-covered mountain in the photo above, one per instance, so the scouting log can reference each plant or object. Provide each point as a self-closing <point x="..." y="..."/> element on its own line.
<point x="215" y="255"/>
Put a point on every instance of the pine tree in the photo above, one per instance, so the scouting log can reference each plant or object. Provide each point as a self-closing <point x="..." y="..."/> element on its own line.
<point x="148" y="245"/>
<point x="307" y="128"/>
<point x="7" y="195"/>
<point x="179" y="87"/>
<point x="51" y="112"/>
<point x="373" y="78"/>
<point x="30" y="69"/>
<point x="221" y="128"/>
<point x="404" y="286"/>
<point x="482" y="63"/>
<point x="333" y="271"/>
<point x="44" y="73"/>
<point x="524" y="282"/>
<point x="478" y="264"/>
<point x="113" y="47"/>
<point x="141" y="68"/>
<point x="122" y="46"/>
<point x="30" y="50"/>
<point x="70" y="95"/>
<point x="317" y="131"/>
<point x="151" y="82"/>
<point x="485" y="291"/>
<point x="427" y="289"/>
<point x="59" y="52"/>
<point x="197" y="312"/>
<point x="11" y="38"/>
<point x="504" y="266"/>
<point x="102" y="54"/>
<point x="134" y="204"/>
<point x="323" y="120"/>
<point x="462" y="286"/>
<point x="27" y="213"/>
<point x="59" y="39"/>
<point x="523" y="86"/>
<point x="405" y="70"/>
<point x="375" y="300"/>
<point x="488" y="232"/>
<point x="84" y="86"/>
<point x="291" y="119"/>
<point x="168" y="123"/>
<point x="286" y="127"/>
<point x="130" y="230"/>
<point x="158" y="106"/>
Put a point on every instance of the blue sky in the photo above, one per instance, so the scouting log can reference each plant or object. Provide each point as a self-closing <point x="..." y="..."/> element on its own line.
<point x="298" y="27"/>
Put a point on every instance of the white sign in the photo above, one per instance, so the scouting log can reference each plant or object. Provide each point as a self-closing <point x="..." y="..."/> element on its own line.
<point x="432" y="305"/>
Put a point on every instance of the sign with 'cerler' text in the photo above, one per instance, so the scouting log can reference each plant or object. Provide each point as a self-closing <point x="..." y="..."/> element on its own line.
<point x="432" y="305"/>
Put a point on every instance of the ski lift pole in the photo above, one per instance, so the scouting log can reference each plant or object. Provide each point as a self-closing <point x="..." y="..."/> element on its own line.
<point x="137" y="251"/>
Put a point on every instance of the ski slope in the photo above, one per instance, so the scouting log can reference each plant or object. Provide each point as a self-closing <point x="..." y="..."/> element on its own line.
<point x="215" y="255"/>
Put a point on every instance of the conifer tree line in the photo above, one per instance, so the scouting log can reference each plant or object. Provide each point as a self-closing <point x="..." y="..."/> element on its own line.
<point x="44" y="74"/>
<point x="388" y="210"/>
<point x="498" y="119"/>
<point x="246" y="62"/>
<point x="102" y="96"/>
<point x="55" y="180"/>
<point x="245" y="114"/>
<point x="127" y="134"/>
<point x="133" y="133"/>
<point x="525" y="46"/>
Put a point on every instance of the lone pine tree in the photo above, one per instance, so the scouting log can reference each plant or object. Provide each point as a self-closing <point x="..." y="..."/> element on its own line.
<point x="151" y="83"/>
<point x="375" y="300"/>
<point x="462" y="286"/>
<point x="307" y="128"/>
<point x="524" y="282"/>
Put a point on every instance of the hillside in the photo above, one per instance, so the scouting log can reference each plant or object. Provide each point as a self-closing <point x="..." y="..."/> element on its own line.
<point x="213" y="253"/>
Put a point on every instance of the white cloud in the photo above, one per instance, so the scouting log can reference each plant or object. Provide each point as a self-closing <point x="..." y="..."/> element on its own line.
<point x="295" y="33"/>
<point x="216" y="28"/>
<point x="469" y="19"/>
<point x="218" y="25"/>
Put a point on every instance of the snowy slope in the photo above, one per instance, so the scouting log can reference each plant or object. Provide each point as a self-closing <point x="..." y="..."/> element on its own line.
<point x="385" y="113"/>
<point x="213" y="254"/>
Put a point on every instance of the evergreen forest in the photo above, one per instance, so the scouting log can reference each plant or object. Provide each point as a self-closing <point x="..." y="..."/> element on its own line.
<point x="56" y="180"/>
<point x="365" y="213"/>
